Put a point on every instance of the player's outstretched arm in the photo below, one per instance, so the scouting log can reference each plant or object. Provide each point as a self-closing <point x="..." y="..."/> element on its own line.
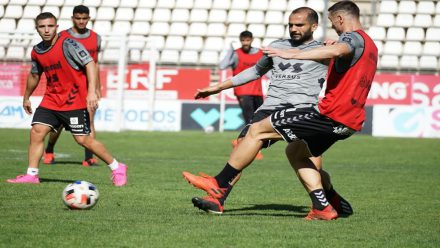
<point x="31" y="84"/>
<point x="320" y="53"/>
<point x="213" y="89"/>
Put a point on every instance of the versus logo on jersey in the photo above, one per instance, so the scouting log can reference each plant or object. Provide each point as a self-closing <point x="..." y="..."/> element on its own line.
<point x="296" y="67"/>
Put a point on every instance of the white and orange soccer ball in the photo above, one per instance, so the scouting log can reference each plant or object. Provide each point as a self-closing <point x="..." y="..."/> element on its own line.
<point x="80" y="195"/>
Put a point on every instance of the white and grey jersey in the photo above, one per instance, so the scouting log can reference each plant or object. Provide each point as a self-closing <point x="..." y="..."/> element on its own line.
<point x="356" y="44"/>
<point x="74" y="52"/>
<point x="231" y="58"/>
<point x="293" y="82"/>
<point x="85" y="35"/>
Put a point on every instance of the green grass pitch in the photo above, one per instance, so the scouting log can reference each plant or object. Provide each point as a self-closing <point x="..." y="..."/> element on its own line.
<point x="393" y="185"/>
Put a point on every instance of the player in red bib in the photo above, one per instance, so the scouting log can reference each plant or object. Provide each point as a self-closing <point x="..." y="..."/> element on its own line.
<point x="92" y="42"/>
<point x="70" y="95"/>
<point x="249" y="96"/>
<point x="311" y="131"/>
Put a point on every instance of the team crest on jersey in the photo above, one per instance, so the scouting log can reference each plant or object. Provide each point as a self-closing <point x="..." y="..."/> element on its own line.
<point x="82" y="53"/>
<point x="74" y="120"/>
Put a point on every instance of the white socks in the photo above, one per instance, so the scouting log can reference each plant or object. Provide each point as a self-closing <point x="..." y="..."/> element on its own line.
<point x="114" y="165"/>
<point x="32" y="171"/>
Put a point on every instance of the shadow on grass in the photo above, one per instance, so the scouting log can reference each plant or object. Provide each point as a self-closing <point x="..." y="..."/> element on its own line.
<point x="67" y="163"/>
<point x="298" y="211"/>
<point x="50" y="180"/>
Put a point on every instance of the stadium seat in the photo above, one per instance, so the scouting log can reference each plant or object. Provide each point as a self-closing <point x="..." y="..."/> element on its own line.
<point x="389" y="62"/>
<point x="255" y="16"/>
<point x="239" y="5"/>
<point x="121" y="27"/>
<point x="273" y="17"/>
<point x="140" y="28"/>
<point x="267" y="41"/>
<point x="178" y="28"/>
<point x="395" y="33"/>
<point x="202" y="4"/>
<point x="169" y="4"/>
<point x="317" y="35"/>
<point x="198" y="15"/>
<point x="221" y="4"/>
<point x="157" y="41"/>
<point x="13" y="11"/>
<point x="407" y="7"/>
<point x="147" y="55"/>
<point x="379" y="45"/>
<point x="258" y="30"/>
<point x="92" y="3"/>
<point x="189" y="57"/>
<point x="415" y="34"/>
<point x="124" y="14"/>
<point x="256" y="43"/>
<point x="147" y="4"/>
<point x="110" y="3"/>
<point x="436" y="21"/>
<point x="198" y="29"/>
<point x="31" y="11"/>
<point x="216" y="29"/>
<point x="136" y="41"/>
<point x="317" y="5"/>
<point x="388" y="6"/>
<point x="217" y="16"/>
<point x="15" y="53"/>
<point x="422" y="20"/>
<point x="437" y="8"/>
<point x="169" y="56"/>
<point x="214" y="44"/>
<point x="209" y="57"/>
<point x="184" y="4"/>
<point x="57" y="3"/>
<point x="180" y="15"/>
<point x="235" y="29"/>
<point x="135" y="55"/>
<point x="385" y="20"/>
<point x="143" y="14"/>
<point x="2" y="11"/>
<point x="194" y="43"/>
<point x="278" y="5"/>
<point x="160" y="28"/>
<point x="2" y="51"/>
<point x="432" y="34"/>
<point x="18" y="2"/>
<point x="102" y="27"/>
<point x="426" y="7"/>
<point x="36" y="2"/>
<point x="259" y="5"/>
<point x="293" y="4"/>
<point x="105" y="14"/>
<point x="4" y="42"/>
<point x="67" y="11"/>
<point x="404" y="20"/>
<point x="128" y="3"/>
<point x="174" y="42"/>
<point x="64" y="24"/>
<point x="92" y="13"/>
<point x="409" y="62"/>
<point x="20" y="40"/>
<point x="236" y="16"/>
<point x="275" y="31"/>
<point x="393" y="48"/>
<point x="428" y="62"/>
<point x="412" y="48"/>
<point x="7" y="25"/>
<point x="26" y="25"/>
<point x="377" y="33"/>
<point x="110" y="55"/>
<point x="431" y="48"/>
<point x="161" y="15"/>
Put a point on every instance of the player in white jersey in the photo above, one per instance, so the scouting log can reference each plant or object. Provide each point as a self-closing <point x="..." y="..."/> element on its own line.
<point x="294" y="83"/>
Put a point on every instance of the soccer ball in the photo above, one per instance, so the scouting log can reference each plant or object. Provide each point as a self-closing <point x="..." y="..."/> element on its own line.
<point x="80" y="195"/>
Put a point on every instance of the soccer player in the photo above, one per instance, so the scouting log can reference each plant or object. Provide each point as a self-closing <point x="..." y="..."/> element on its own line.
<point x="295" y="84"/>
<point x="70" y="95"/>
<point x="92" y="42"/>
<point x="312" y="130"/>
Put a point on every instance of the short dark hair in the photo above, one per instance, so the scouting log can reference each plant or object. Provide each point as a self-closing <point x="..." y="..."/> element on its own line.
<point x="81" y="9"/>
<point x="246" y="34"/>
<point x="346" y="6"/>
<point x="312" y="16"/>
<point x="44" y="15"/>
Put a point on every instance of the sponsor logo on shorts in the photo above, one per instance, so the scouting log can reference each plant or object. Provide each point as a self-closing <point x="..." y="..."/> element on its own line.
<point x="76" y="126"/>
<point x="289" y="134"/>
<point x="73" y="120"/>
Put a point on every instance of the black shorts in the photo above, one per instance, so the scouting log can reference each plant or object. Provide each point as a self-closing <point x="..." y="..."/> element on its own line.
<point x="75" y="121"/>
<point x="258" y="116"/>
<point x="307" y="124"/>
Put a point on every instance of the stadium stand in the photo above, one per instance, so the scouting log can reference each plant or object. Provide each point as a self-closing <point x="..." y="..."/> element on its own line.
<point x="196" y="32"/>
